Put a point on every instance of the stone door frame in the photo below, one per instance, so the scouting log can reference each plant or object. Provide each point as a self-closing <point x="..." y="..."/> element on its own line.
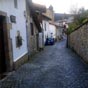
<point x="7" y="43"/>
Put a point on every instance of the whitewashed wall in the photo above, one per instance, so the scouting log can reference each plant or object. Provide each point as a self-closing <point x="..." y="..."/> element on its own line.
<point x="52" y="29"/>
<point x="8" y="6"/>
<point x="45" y="31"/>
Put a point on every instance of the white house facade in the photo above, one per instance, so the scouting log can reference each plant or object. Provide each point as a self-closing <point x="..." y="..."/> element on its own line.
<point x="13" y="11"/>
<point x="45" y="29"/>
<point x="52" y="31"/>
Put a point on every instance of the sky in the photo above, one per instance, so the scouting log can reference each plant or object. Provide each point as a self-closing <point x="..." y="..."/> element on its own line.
<point x="63" y="6"/>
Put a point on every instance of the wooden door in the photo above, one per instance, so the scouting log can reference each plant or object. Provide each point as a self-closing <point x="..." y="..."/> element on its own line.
<point x="2" y="50"/>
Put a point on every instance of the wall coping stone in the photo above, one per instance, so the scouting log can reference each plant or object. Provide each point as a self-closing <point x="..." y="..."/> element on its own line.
<point x="79" y="27"/>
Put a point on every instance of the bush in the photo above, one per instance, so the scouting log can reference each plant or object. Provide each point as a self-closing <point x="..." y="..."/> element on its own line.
<point x="74" y="25"/>
<point x="71" y="28"/>
<point x="79" y="18"/>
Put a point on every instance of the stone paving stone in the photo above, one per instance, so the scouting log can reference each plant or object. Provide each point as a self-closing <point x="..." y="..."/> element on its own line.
<point x="55" y="67"/>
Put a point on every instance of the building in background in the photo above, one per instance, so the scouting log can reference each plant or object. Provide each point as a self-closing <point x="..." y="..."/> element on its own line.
<point x="48" y="24"/>
<point x="62" y="20"/>
<point x="50" y="12"/>
<point x="39" y="10"/>
<point x="45" y="26"/>
<point x="34" y="27"/>
<point x="52" y="30"/>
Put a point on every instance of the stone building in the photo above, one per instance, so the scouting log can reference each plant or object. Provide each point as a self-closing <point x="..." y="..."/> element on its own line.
<point x="45" y="26"/>
<point x="19" y="32"/>
<point x="13" y="34"/>
<point x="34" y="26"/>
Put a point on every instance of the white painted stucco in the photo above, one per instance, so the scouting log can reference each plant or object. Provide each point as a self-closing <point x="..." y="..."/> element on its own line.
<point x="52" y="29"/>
<point x="8" y="7"/>
<point x="45" y="32"/>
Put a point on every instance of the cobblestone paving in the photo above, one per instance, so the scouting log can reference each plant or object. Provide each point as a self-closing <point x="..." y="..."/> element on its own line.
<point x="55" y="67"/>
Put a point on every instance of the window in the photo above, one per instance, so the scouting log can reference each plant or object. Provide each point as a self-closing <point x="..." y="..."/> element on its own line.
<point x="32" y="29"/>
<point x="45" y="26"/>
<point x="18" y="40"/>
<point x="15" y="4"/>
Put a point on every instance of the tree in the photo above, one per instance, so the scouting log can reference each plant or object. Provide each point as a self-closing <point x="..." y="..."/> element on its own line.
<point x="80" y="16"/>
<point x="74" y="10"/>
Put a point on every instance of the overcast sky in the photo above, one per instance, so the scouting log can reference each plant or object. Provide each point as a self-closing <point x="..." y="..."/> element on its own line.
<point x="63" y="6"/>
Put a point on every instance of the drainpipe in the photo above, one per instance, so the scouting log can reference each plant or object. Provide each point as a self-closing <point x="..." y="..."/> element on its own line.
<point x="27" y="36"/>
<point x="67" y="39"/>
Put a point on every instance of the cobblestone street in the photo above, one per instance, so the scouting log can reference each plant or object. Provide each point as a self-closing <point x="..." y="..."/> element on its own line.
<point x="55" y="67"/>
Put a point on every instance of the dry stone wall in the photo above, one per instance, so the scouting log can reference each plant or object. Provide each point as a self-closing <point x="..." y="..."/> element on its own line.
<point x="78" y="41"/>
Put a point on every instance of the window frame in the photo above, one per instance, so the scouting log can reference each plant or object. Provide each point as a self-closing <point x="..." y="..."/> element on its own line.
<point x="16" y="3"/>
<point x="32" y="29"/>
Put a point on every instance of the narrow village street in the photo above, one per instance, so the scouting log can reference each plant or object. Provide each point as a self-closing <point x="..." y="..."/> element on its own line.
<point x="55" y="67"/>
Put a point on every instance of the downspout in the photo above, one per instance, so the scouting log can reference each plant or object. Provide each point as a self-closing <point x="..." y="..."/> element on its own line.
<point x="27" y="32"/>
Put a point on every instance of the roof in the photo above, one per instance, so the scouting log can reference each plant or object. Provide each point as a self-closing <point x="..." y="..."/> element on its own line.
<point x="34" y="8"/>
<point x="45" y="16"/>
<point x="38" y="7"/>
<point x="36" y="21"/>
<point x="53" y="23"/>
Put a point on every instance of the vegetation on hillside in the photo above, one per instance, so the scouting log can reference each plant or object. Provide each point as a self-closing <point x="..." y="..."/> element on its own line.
<point x="80" y="17"/>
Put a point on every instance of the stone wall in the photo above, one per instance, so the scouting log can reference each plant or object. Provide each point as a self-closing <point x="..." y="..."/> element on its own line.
<point x="78" y="41"/>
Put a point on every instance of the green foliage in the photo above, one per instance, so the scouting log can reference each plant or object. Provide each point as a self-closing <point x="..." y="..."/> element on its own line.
<point x="85" y="20"/>
<point x="80" y="17"/>
<point x="72" y="27"/>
